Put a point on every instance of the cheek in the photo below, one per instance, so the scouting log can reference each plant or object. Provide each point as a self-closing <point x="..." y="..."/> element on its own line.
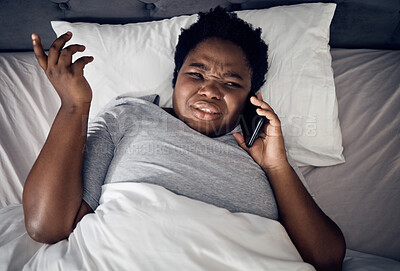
<point x="180" y="96"/>
<point x="176" y="101"/>
<point x="236" y="104"/>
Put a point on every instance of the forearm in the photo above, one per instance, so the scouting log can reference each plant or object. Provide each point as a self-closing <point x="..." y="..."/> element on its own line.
<point x="53" y="189"/>
<point x="317" y="238"/>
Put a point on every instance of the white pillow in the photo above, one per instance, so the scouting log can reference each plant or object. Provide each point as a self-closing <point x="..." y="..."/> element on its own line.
<point x="137" y="59"/>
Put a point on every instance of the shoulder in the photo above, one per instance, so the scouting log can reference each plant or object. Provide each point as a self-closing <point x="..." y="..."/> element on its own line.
<point x="122" y="111"/>
<point x="128" y="101"/>
<point x="126" y="105"/>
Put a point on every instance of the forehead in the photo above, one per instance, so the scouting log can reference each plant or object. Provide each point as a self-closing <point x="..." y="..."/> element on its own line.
<point x="215" y="53"/>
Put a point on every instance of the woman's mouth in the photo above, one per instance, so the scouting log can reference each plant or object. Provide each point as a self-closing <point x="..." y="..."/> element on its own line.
<point x="205" y="111"/>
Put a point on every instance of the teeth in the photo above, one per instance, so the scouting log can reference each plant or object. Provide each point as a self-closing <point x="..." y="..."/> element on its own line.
<point x="205" y="110"/>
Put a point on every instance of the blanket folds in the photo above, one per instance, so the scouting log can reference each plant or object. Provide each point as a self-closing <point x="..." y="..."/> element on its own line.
<point x="146" y="227"/>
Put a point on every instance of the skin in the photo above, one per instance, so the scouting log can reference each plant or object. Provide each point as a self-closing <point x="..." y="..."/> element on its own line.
<point x="52" y="196"/>
<point x="318" y="239"/>
<point x="215" y="77"/>
<point x="211" y="90"/>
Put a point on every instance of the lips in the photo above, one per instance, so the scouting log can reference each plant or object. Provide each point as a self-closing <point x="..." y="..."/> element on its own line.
<point x="205" y="111"/>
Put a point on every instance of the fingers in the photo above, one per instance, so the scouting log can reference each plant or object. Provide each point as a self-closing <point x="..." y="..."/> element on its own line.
<point x="260" y="103"/>
<point x="265" y="110"/>
<point x="57" y="54"/>
<point x="54" y="51"/>
<point x="271" y="116"/>
<point x="39" y="52"/>
<point x="66" y="53"/>
<point x="240" y="140"/>
<point x="81" y="63"/>
<point x="55" y="48"/>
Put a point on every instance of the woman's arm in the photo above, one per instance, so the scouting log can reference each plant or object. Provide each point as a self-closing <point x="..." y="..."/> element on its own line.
<point x="52" y="196"/>
<point x="318" y="239"/>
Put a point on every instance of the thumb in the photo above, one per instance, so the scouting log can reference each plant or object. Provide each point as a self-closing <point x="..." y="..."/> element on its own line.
<point x="240" y="140"/>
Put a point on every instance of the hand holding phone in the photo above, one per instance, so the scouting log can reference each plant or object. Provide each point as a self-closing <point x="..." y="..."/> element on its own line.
<point x="269" y="149"/>
<point x="251" y="123"/>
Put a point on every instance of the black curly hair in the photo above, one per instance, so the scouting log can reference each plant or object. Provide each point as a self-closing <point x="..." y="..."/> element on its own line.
<point x="219" y="23"/>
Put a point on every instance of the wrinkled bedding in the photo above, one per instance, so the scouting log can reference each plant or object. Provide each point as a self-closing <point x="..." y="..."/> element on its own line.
<point x="146" y="227"/>
<point x="361" y="195"/>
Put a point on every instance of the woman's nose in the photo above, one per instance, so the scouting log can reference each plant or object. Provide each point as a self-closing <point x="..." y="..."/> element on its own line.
<point x="211" y="89"/>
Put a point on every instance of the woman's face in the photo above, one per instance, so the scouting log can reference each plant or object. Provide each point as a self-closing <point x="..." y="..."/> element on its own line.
<point x="212" y="87"/>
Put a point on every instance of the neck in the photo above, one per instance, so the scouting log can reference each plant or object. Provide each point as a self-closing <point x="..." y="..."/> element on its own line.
<point x="170" y="111"/>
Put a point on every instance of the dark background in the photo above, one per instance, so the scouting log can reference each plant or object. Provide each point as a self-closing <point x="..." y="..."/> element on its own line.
<point x="371" y="24"/>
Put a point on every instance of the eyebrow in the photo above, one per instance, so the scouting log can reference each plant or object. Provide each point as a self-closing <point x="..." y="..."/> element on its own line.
<point x="199" y="65"/>
<point x="205" y="68"/>
<point x="234" y="75"/>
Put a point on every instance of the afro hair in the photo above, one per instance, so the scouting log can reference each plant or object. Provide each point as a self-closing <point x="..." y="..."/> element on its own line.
<point x="219" y="23"/>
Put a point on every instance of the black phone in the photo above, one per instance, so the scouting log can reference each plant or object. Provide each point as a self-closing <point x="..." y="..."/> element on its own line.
<point x="251" y="123"/>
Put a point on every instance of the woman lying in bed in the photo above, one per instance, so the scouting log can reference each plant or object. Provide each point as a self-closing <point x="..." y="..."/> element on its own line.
<point x="192" y="149"/>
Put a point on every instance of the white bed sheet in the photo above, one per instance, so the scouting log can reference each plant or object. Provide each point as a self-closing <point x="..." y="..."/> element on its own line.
<point x="146" y="227"/>
<point x="27" y="108"/>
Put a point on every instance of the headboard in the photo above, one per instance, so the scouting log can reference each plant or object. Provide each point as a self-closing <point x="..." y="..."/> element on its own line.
<point x="356" y="24"/>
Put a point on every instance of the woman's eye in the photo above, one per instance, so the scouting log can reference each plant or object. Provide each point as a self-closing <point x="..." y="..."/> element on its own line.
<point x="196" y="75"/>
<point x="233" y="84"/>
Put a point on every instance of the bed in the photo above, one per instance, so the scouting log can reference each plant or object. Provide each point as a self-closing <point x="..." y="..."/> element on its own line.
<point x="340" y="115"/>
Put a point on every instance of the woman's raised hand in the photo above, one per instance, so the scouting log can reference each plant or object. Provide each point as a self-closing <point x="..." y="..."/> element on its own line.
<point x="66" y="76"/>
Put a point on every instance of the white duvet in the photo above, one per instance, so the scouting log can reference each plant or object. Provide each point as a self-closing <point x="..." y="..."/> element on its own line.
<point x="146" y="227"/>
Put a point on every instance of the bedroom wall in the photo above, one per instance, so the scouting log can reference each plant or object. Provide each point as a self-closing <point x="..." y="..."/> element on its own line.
<point x="357" y="23"/>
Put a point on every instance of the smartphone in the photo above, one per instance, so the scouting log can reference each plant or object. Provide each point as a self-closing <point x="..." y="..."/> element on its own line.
<point x="251" y="123"/>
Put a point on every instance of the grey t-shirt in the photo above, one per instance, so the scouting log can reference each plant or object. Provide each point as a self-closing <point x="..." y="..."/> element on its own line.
<point x="134" y="140"/>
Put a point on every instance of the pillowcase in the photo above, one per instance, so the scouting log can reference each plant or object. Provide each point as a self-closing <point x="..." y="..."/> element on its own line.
<point x="138" y="59"/>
